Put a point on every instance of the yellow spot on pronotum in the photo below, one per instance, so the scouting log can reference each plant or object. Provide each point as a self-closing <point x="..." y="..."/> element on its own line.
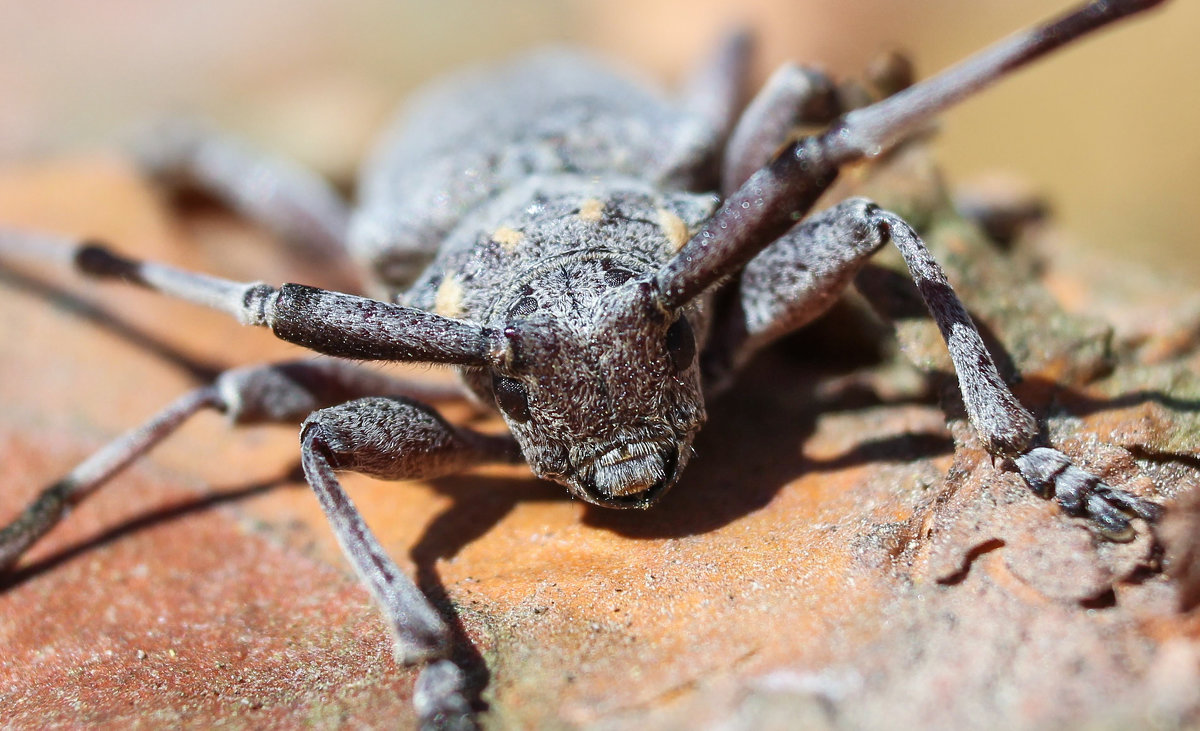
<point x="508" y="238"/>
<point x="448" y="300"/>
<point x="591" y="209"/>
<point x="674" y="227"/>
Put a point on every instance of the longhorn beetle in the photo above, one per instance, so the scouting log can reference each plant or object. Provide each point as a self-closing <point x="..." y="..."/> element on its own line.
<point x="543" y="227"/>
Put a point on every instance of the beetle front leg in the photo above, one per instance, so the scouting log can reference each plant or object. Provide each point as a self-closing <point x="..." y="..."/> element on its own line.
<point x="397" y="439"/>
<point x="800" y="276"/>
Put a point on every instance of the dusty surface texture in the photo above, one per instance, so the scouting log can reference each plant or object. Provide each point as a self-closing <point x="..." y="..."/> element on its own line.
<point x="840" y="554"/>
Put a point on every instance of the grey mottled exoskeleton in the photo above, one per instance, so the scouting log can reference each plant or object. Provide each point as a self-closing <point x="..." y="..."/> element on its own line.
<point x="545" y="227"/>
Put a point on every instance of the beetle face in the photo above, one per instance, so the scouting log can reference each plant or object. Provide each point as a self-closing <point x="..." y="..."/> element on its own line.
<point x="607" y="400"/>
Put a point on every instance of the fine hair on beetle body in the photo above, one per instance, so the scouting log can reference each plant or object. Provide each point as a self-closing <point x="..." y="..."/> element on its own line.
<point x="594" y="257"/>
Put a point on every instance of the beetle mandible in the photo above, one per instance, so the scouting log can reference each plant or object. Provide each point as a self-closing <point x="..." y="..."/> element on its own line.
<point x="546" y="228"/>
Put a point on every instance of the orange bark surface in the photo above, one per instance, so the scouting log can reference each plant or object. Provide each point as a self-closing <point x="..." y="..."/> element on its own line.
<point x="829" y="559"/>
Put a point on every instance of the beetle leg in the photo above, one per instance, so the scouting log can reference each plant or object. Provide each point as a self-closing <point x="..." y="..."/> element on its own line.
<point x="52" y="504"/>
<point x="390" y="437"/>
<point x="716" y="88"/>
<point x="792" y="97"/>
<point x="274" y="393"/>
<point x="791" y="283"/>
<point x="397" y="439"/>
<point x="799" y="277"/>
<point x="712" y="96"/>
<point x="288" y="200"/>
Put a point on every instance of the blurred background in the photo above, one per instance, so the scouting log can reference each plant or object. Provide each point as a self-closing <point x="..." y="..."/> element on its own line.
<point x="1108" y="131"/>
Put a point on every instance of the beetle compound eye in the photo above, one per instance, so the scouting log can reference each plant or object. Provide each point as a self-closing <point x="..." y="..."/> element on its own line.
<point x="615" y="277"/>
<point x="681" y="344"/>
<point x="512" y="397"/>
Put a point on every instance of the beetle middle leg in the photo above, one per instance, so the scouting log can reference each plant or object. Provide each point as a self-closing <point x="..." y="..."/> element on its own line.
<point x="263" y="394"/>
<point x="297" y="205"/>
<point x="799" y="277"/>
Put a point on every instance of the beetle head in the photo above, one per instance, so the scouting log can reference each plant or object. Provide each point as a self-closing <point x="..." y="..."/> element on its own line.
<point x="599" y="382"/>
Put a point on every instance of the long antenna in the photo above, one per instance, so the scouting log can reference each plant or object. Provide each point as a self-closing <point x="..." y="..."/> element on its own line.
<point x="782" y="192"/>
<point x="872" y="130"/>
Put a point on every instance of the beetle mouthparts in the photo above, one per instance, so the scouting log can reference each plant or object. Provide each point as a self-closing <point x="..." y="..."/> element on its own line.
<point x="630" y="475"/>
